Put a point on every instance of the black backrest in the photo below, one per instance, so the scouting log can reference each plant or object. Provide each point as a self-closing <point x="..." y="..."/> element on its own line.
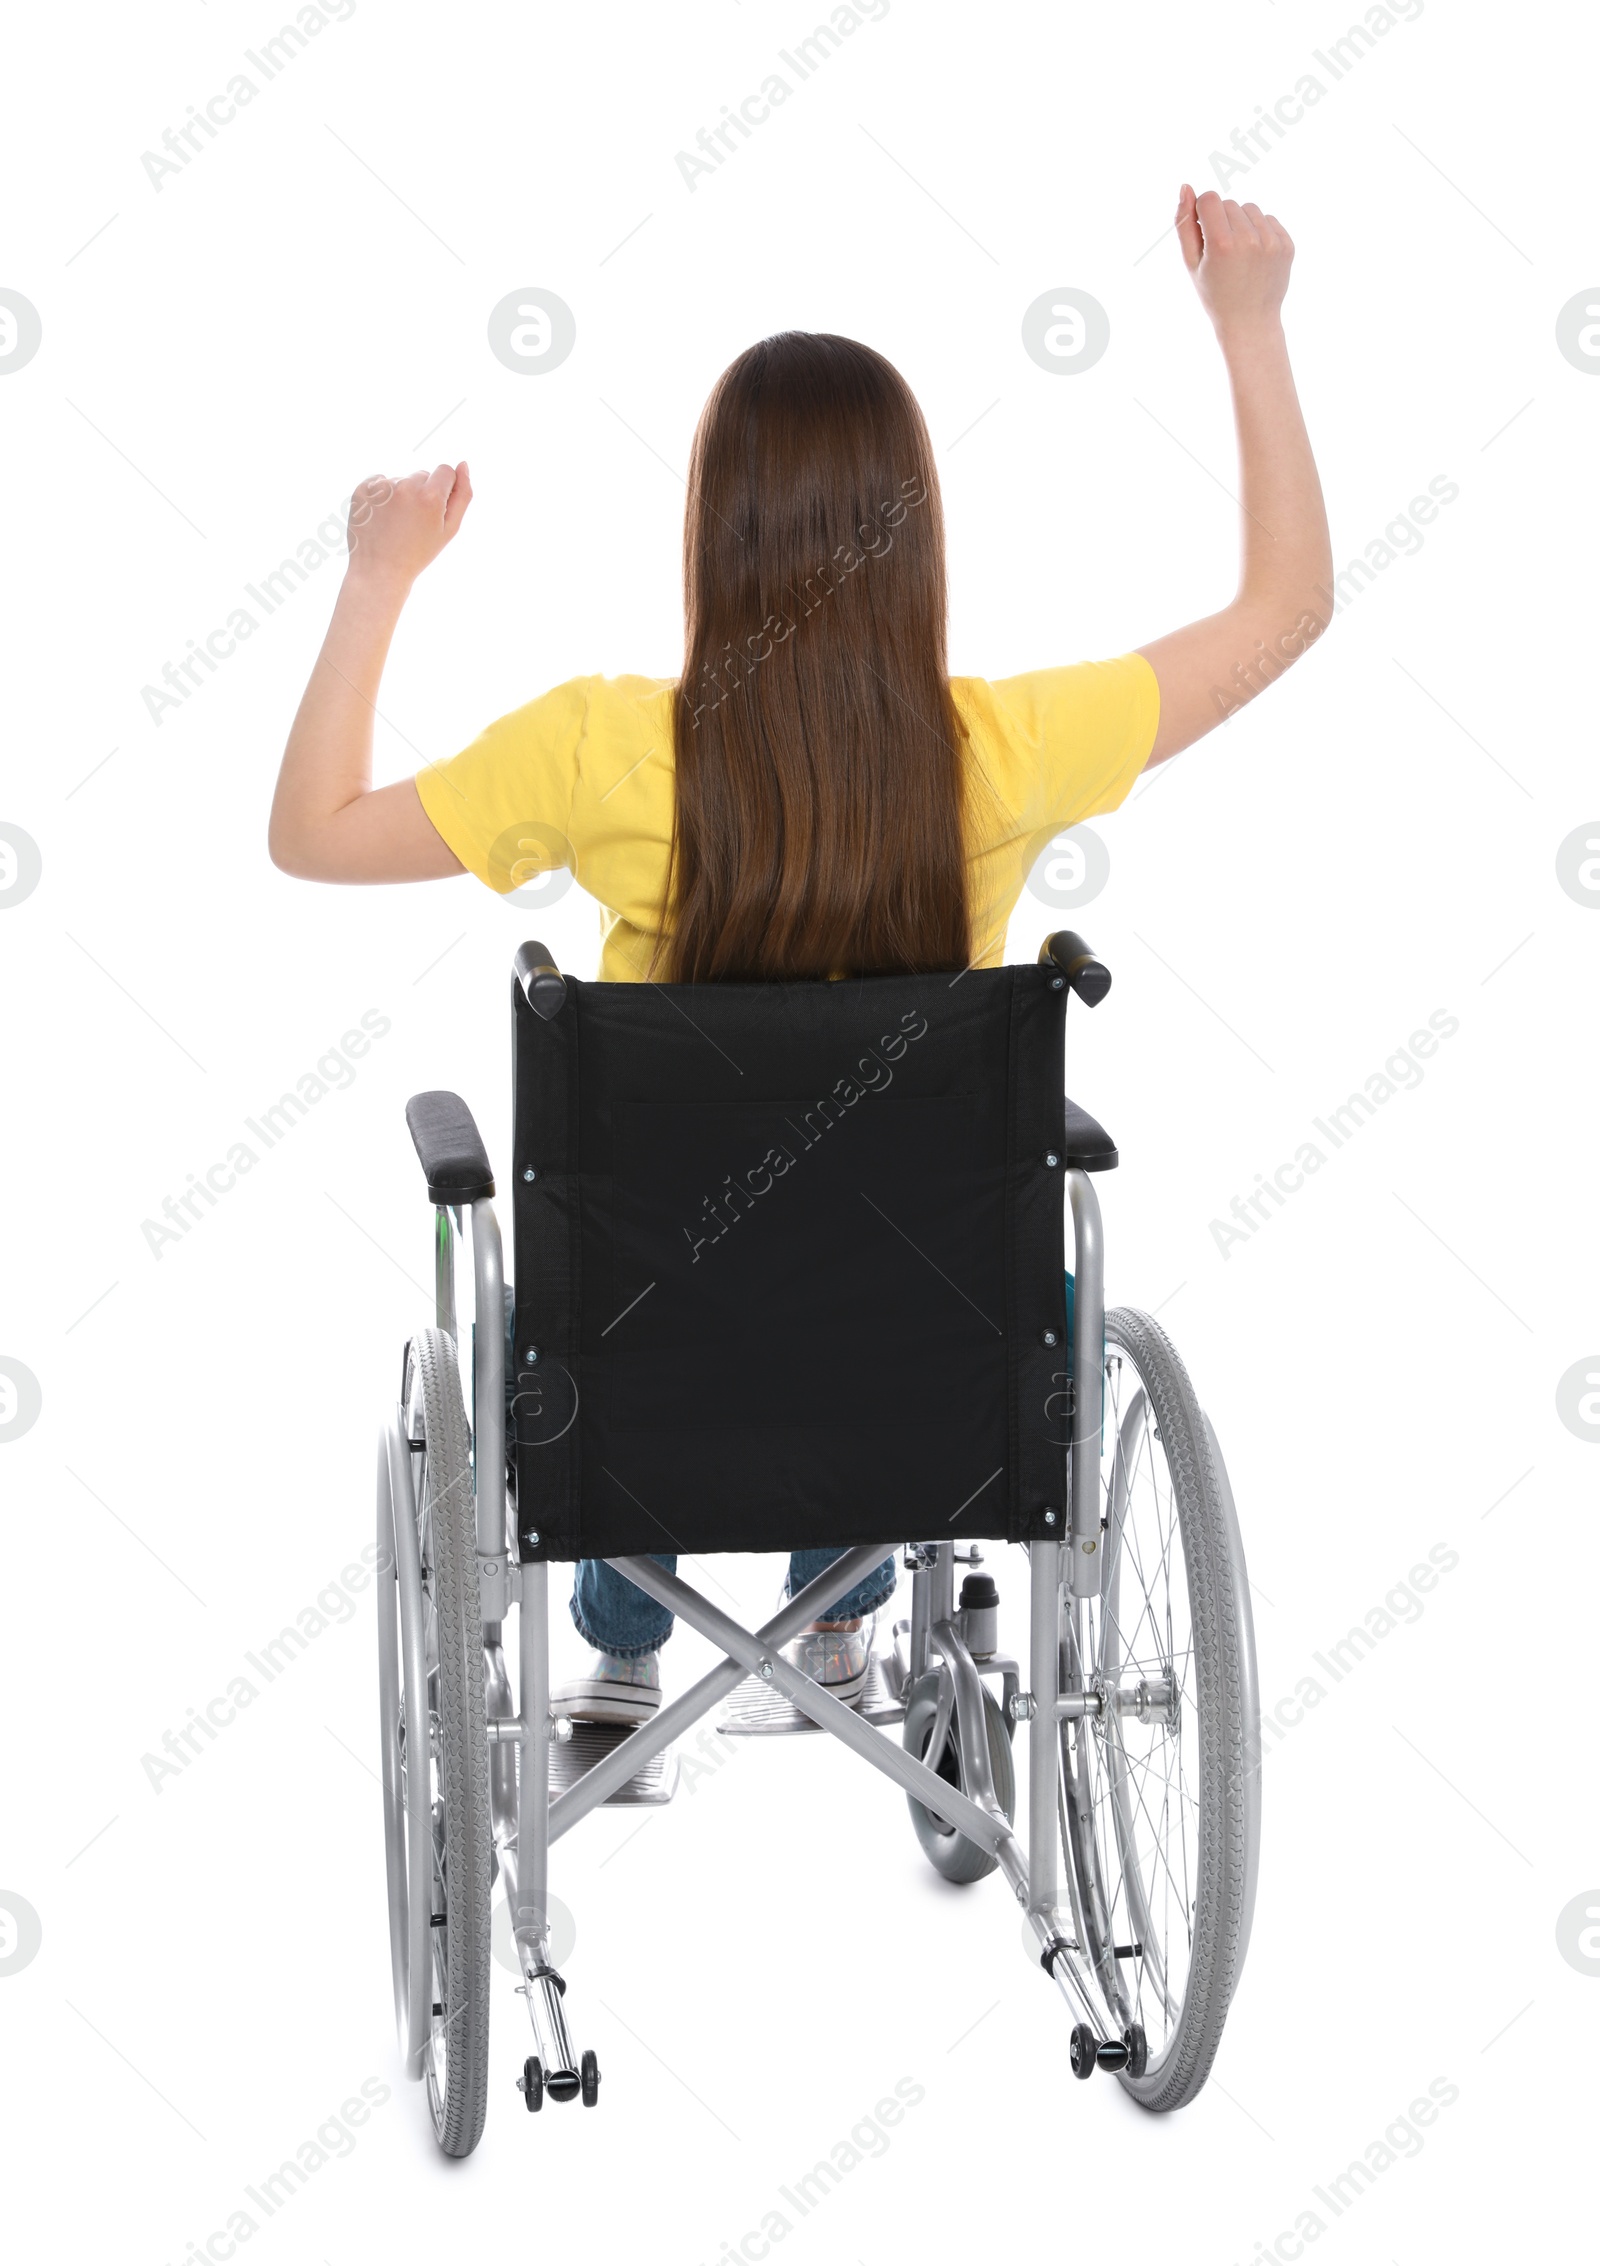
<point x="786" y="1257"/>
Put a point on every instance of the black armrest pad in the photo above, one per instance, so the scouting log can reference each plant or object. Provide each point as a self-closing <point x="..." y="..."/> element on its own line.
<point x="1088" y="1146"/>
<point x="450" y="1148"/>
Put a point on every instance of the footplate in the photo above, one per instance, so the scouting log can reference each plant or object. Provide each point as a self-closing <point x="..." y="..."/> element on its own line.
<point x="654" y="1782"/>
<point x="755" y="1710"/>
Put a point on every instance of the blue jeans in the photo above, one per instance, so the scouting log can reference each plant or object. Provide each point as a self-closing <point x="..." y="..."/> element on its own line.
<point x="614" y="1616"/>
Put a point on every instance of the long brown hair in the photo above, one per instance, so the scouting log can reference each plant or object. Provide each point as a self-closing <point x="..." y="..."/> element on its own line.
<point x="817" y="828"/>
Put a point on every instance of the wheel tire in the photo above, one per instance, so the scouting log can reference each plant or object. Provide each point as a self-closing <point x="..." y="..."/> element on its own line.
<point x="457" y="2061"/>
<point x="951" y="1853"/>
<point x="1169" y="2074"/>
<point x="589" y="2076"/>
<point x="1083" y="2051"/>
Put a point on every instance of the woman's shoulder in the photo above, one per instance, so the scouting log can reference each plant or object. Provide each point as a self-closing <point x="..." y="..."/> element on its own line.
<point x="1071" y="738"/>
<point x="584" y="713"/>
<point x="1086" y="694"/>
<point x="601" y="699"/>
<point x="623" y="695"/>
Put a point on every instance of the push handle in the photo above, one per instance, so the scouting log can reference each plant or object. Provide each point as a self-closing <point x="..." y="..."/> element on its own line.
<point x="1090" y="978"/>
<point x="543" y="985"/>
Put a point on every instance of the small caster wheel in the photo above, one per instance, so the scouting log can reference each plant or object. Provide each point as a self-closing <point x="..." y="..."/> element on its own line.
<point x="531" y="2084"/>
<point x="589" y="2073"/>
<point x="1138" y="2049"/>
<point x="1083" y="2050"/>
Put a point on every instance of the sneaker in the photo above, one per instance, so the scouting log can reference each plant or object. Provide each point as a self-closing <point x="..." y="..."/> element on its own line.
<point x="613" y="1691"/>
<point x="837" y="1657"/>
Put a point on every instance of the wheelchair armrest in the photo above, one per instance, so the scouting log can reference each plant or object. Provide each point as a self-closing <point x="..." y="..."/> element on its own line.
<point x="1090" y="978"/>
<point x="1089" y="1147"/>
<point x="543" y="985"/>
<point x="450" y="1148"/>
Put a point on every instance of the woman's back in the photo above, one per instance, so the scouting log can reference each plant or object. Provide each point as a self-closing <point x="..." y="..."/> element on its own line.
<point x="585" y="777"/>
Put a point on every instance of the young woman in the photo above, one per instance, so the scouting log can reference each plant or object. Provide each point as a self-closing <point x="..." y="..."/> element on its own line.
<point x="814" y="796"/>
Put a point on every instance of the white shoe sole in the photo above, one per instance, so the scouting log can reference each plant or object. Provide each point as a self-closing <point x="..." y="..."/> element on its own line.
<point x="595" y="1699"/>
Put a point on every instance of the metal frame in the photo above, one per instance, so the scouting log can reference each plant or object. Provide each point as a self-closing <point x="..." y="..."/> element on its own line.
<point x="528" y="1819"/>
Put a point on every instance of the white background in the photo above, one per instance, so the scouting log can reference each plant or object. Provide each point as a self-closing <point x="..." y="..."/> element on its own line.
<point x="305" y="302"/>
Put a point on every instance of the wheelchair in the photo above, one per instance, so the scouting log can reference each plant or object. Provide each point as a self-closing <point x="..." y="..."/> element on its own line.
<point x="789" y="1267"/>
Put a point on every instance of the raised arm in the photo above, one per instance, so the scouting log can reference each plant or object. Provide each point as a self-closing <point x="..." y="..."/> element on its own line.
<point x="1240" y="258"/>
<point x="328" y="822"/>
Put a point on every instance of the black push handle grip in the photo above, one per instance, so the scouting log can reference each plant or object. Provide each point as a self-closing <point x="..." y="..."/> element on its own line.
<point x="1090" y="978"/>
<point x="543" y="985"/>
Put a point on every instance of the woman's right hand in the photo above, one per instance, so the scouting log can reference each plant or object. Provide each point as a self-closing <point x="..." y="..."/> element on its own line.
<point x="397" y="527"/>
<point x="1239" y="257"/>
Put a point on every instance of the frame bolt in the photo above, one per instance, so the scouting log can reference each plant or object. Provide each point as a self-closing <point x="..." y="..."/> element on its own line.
<point x="530" y="1354"/>
<point x="533" y="1539"/>
<point x="1050" y="1337"/>
<point x="528" y="1172"/>
<point x="766" y="1670"/>
<point x="1022" y="1710"/>
<point x="1049" y="1518"/>
<point x="1051" y="1159"/>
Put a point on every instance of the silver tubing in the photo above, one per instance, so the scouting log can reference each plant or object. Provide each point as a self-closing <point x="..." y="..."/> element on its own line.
<point x="1091" y="1907"/>
<point x="1044" y="1669"/>
<point x="1124" y="1788"/>
<point x="965" y="1687"/>
<point x="1088" y="1358"/>
<point x="761" y="1657"/>
<point x="942" y="1596"/>
<point x="921" y="1621"/>
<point x="550" y="2026"/>
<point x="504" y="1734"/>
<point x="943" y="1708"/>
<point x="632" y="1753"/>
<point x="530" y="1912"/>
<point x="419" y="1813"/>
<point x="1064" y="1969"/>
<point x="444" y="1272"/>
<point x="489" y="1370"/>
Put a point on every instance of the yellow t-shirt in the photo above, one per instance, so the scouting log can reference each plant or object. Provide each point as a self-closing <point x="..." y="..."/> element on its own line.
<point x="583" y="777"/>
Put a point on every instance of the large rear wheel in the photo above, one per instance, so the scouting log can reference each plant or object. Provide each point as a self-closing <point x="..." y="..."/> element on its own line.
<point x="436" y="1748"/>
<point x="1159" y="1785"/>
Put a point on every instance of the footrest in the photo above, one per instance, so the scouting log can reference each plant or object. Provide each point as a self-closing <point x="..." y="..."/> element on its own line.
<point x="655" y="1781"/>
<point x="756" y="1710"/>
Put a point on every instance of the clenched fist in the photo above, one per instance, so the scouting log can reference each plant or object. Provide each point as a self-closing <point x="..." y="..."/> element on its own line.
<point x="1239" y="257"/>
<point x="397" y="527"/>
